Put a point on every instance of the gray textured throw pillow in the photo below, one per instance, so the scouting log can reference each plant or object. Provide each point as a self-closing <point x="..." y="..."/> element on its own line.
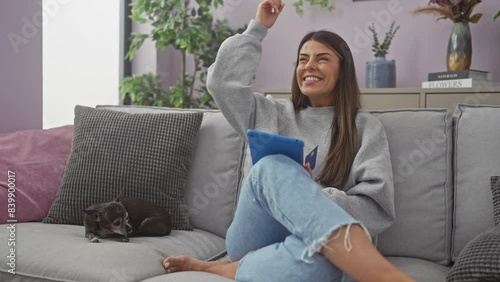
<point x="145" y="155"/>
<point x="495" y="191"/>
<point x="480" y="258"/>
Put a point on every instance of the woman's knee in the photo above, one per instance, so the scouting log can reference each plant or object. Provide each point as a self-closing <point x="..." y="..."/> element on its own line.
<point x="275" y="172"/>
<point x="274" y="164"/>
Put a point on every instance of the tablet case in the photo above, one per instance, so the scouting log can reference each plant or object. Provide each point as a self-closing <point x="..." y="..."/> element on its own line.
<point x="311" y="158"/>
<point x="263" y="144"/>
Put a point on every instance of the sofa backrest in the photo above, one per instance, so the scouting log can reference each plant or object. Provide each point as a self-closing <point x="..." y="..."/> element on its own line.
<point x="420" y="143"/>
<point x="431" y="153"/>
<point x="476" y="159"/>
<point x="215" y="176"/>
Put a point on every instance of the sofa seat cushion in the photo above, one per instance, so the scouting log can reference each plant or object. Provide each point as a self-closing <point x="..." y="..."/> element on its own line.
<point x="53" y="252"/>
<point x="189" y="276"/>
<point x="421" y="270"/>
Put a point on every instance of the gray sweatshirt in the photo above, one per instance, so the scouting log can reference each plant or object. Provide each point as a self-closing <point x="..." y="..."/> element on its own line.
<point x="368" y="195"/>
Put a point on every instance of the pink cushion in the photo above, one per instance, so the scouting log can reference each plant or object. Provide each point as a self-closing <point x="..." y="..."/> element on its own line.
<point x="37" y="158"/>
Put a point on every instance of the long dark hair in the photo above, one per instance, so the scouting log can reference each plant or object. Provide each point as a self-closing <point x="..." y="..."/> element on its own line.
<point x="346" y="100"/>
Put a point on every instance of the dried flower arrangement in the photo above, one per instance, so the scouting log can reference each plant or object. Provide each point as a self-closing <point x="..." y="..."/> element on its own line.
<point x="455" y="10"/>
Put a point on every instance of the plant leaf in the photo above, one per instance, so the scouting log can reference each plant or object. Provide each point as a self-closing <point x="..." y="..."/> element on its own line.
<point x="472" y="4"/>
<point x="475" y="18"/>
<point x="441" y="12"/>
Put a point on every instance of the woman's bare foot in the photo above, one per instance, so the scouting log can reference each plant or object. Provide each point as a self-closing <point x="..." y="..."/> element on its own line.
<point x="185" y="263"/>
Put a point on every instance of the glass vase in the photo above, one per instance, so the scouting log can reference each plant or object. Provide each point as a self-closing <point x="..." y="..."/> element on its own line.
<point x="459" y="55"/>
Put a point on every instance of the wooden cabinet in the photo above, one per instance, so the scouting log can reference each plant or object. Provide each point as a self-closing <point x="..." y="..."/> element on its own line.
<point x="396" y="98"/>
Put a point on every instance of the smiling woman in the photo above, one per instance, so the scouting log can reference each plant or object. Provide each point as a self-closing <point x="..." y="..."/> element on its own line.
<point x="325" y="76"/>
<point x="317" y="73"/>
<point x="293" y="223"/>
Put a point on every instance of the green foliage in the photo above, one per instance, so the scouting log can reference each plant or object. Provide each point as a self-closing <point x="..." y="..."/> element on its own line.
<point x="497" y="15"/>
<point x="189" y="27"/>
<point x="174" y="22"/>
<point x="381" y="50"/>
<point x="191" y="30"/>
<point x="136" y="41"/>
<point x="144" y="90"/>
<point x="178" y="96"/>
<point x="299" y="5"/>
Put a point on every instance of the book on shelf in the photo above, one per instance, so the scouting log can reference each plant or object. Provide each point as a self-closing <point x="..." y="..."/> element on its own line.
<point x="457" y="83"/>
<point x="460" y="74"/>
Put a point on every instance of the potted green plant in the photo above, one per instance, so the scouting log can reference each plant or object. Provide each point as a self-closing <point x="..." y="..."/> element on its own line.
<point x="381" y="73"/>
<point x="190" y="29"/>
<point x="299" y="5"/>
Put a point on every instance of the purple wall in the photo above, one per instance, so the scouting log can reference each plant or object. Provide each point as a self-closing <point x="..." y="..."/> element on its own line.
<point x="20" y="65"/>
<point x="419" y="47"/>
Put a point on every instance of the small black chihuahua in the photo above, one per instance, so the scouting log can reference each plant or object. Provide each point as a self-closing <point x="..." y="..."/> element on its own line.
<point x="125" y="217"/>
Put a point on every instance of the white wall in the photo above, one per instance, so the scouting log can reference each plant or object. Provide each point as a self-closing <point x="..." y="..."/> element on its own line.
<point x="82" y="59"/>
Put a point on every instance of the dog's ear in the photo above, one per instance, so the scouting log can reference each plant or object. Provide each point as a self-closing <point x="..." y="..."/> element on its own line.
<point x="94" y="214"/>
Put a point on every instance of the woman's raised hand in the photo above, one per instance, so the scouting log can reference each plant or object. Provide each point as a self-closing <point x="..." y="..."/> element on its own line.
<point x="268" y="11"/>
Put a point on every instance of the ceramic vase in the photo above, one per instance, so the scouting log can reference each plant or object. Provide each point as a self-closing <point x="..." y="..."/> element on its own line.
<point x="381" y="73"/>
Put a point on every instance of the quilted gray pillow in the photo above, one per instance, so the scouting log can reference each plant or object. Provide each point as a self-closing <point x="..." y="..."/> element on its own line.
<point x="495" y="190"/>
<point x="146" y="156"/>
<point x="480" y="258"/>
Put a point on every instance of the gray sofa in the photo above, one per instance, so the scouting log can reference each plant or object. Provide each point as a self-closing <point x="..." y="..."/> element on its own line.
<point x="442" y="164"/>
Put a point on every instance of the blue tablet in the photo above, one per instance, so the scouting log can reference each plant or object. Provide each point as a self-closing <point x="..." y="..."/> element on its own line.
<point x="263" y="144"/>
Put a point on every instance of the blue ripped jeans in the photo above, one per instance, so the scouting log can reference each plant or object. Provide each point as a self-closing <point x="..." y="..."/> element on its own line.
<point x="282" y="221"/>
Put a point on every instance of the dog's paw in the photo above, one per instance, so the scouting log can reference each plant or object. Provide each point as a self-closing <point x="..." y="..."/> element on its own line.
<point x="94" y="240"/>
<point x="125" y="239"/>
